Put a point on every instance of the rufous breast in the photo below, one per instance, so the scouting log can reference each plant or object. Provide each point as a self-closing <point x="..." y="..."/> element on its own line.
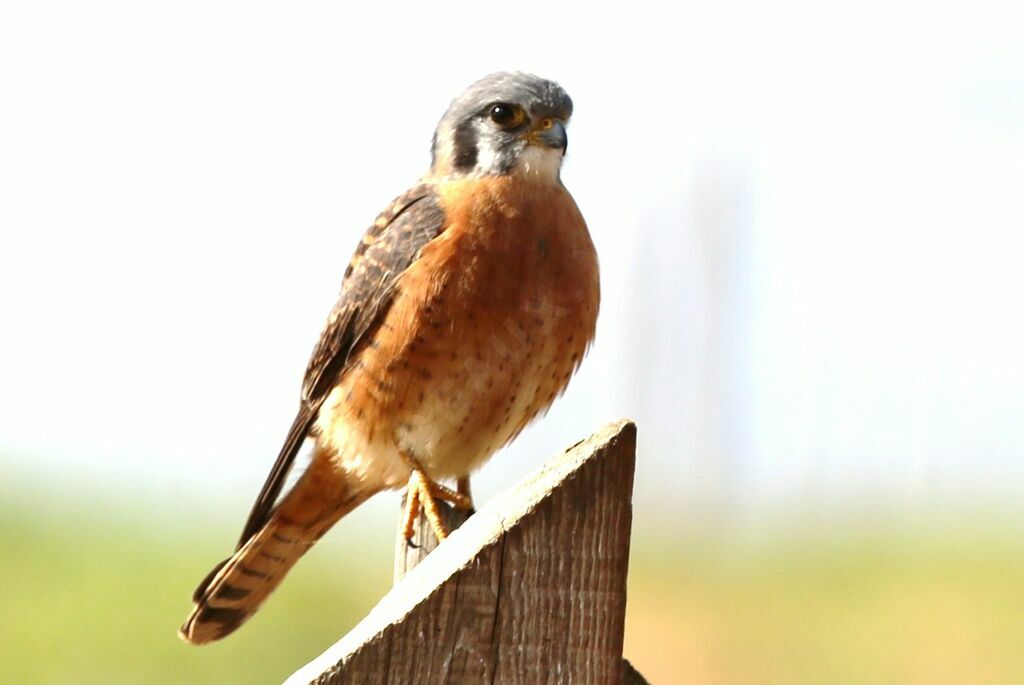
<point x="485" y="330"/>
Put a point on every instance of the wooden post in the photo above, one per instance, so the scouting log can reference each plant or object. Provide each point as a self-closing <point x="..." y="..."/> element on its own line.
<point x="531" y="589"/>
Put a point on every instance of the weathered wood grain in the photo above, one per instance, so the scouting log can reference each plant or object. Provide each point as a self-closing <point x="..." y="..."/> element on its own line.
<point x="531" y="589"/>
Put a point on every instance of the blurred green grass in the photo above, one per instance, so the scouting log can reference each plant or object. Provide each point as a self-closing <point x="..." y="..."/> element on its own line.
<point x="877" y="603"/>
<point x="96" y="597"/>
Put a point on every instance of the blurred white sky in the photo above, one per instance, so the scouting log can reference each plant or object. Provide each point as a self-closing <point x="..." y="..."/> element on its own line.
<point x="809" y="221"/>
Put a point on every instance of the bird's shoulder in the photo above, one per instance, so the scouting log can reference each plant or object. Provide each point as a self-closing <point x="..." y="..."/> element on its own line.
<point x="388" y="247"/>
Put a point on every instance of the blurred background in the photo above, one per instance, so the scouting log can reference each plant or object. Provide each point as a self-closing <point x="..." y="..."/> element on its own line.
<point x="809" y="220"/>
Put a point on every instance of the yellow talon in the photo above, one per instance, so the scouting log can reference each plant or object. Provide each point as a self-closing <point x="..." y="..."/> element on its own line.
<point x="423" y="493"/>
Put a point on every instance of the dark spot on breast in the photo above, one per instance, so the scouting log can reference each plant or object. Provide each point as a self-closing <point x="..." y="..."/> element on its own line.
<point x="542" y="247"/>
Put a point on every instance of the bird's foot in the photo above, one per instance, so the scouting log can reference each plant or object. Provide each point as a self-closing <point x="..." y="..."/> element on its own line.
<point x="422" y="494"/>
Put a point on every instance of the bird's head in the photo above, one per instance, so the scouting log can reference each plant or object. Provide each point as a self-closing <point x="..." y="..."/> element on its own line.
<point x="505" y="123"/>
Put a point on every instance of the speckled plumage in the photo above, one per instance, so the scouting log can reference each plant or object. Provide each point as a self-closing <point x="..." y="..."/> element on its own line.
<point x="484" y="331"/>
<point x="464" y="311"/>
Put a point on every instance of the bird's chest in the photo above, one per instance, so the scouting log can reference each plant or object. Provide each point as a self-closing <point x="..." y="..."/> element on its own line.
<point x="486" y="329"/>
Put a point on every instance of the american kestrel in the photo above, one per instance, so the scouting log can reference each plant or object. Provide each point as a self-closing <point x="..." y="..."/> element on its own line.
<point x="463" y="313"/>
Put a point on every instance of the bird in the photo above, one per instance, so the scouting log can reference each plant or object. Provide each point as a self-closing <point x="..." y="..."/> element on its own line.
<point x="466" y="308"/>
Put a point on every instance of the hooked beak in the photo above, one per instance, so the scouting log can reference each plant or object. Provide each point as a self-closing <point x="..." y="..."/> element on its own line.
<point x="551" y="133"/>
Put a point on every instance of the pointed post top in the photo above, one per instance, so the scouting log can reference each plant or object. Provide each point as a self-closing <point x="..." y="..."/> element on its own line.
<point x="531" y="589"/>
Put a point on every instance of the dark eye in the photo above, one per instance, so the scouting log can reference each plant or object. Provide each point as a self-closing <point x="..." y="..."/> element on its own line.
<point x="506" y="116"/>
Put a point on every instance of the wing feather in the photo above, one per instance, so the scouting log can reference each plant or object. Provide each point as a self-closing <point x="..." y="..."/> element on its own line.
<point x="388" y="248"/>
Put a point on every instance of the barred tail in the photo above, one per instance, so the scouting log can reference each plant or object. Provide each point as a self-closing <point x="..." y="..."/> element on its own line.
<point x="236" y="588"/>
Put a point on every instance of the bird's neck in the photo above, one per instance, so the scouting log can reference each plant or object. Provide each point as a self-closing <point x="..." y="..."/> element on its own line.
<point x="535" y="165"/>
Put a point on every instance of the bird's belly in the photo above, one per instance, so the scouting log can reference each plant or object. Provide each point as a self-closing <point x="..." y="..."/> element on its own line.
<point x="457" y="394"/>
<point x="487" y="381"/>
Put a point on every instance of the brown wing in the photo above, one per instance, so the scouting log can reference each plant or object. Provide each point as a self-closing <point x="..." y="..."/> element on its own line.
<point x="391" y="244"/>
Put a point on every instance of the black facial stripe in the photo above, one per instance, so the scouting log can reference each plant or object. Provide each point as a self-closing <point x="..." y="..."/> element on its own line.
<point x="465" y="146"/>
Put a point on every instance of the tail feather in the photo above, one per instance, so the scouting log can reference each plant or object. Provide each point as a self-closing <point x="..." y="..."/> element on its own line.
<point x="236" y="588"/>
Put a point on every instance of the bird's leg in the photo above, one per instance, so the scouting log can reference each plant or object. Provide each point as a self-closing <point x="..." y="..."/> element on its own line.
<point x="463" y="489"/>
<point x="412" y="509"/>
<point x="421" y="492"/>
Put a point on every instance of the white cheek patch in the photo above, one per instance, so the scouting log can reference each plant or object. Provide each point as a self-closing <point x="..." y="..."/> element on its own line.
<point x="486" y="158"/>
